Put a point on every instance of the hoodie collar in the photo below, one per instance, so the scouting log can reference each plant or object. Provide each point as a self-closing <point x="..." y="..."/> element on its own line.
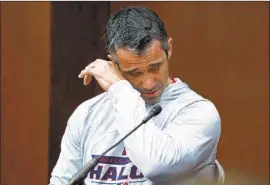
<point x="172" y="92"/>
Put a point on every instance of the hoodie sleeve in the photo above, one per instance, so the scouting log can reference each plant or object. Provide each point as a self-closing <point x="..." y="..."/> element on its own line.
<point x="181" y="147"/>
<point x="70" y="158"/>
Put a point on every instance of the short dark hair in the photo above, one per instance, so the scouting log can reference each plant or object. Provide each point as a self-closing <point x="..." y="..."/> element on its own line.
<point x="134" y="28"/>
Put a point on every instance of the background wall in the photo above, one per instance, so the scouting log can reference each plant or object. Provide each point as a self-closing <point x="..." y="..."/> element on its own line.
<point x="77" y="29"/>
<point x="221" y="49"/>
<point x="25" y="87"/>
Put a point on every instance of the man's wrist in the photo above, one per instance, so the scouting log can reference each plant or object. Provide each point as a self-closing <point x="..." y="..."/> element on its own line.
<point x="118" y="86"/>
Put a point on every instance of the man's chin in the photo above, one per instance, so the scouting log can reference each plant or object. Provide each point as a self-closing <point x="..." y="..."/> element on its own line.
<point x="151" y="101"/>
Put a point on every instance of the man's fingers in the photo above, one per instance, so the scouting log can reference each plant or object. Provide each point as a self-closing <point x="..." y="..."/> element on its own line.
<point x="87" y="71"/>
<point x="87" y="79"/>
<point x="87" y="74"/>
<point x="95" y="69"/>
<point x="83" y="73"/>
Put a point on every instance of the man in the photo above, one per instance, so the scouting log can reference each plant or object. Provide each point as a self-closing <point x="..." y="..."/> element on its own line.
<point x="178" y="146"/>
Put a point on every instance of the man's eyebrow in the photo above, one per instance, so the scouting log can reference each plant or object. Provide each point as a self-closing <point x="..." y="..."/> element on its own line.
<point x="131" y="70"/>
<point x="156" y="63"/>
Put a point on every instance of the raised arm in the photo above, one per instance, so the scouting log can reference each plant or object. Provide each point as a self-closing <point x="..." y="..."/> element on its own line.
<point x="185" y="144"/>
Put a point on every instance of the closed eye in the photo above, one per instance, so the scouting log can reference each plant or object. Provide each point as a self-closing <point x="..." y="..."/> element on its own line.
<point x="155" y="67"/>
<point x="133" y="73"/>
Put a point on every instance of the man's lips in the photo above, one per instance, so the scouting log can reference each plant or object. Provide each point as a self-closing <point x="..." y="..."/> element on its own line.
<point x="151" y="94"/>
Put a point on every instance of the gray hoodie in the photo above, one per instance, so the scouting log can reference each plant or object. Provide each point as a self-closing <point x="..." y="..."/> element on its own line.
<point x="178" y="146"/>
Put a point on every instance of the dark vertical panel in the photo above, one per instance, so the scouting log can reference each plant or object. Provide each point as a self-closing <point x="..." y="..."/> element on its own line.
<point x="25" y="82"/>
<point x="77" y="30"/>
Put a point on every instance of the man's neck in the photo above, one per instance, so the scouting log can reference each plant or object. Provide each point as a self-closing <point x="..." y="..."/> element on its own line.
<point x="170" y="81"/>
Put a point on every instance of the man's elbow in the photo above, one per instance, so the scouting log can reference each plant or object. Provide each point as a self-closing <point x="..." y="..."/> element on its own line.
<point x="157" y="171"/>
<point x="166" y="169"/>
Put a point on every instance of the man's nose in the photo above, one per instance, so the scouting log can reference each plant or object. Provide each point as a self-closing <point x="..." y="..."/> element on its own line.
<point x="148" y="83"/>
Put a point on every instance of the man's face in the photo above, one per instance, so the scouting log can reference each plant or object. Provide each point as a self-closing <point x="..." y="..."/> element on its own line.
<point x="147" y="72"/>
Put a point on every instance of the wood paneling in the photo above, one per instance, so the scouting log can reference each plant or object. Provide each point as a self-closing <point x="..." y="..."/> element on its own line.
<point x="25" y="82"/>
<point x="77" y="30"/>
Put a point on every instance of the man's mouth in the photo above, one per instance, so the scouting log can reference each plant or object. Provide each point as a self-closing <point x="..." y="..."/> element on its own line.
<point x="151" y="94"/>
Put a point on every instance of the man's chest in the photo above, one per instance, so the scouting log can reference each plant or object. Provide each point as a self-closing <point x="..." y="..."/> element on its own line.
<point x="115" y="167"/>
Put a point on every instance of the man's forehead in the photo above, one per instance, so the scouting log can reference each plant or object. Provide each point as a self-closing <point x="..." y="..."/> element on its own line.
<point x="154" y="51"/>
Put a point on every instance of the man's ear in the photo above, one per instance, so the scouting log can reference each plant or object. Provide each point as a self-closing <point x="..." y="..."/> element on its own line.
<point x="114" y="62"/>
<point x="170" y="43"/>
<point x="110" y="57"/>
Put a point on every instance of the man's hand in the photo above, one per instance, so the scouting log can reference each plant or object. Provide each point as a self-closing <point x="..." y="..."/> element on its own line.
<point x="105" y="72"/>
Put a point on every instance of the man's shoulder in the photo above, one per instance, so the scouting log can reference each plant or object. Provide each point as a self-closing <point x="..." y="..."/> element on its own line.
<point x="94" y="101"/>
<point x="195" y="104"/>
<point x="188" y="97"/>
<point x="82" y="111"/>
